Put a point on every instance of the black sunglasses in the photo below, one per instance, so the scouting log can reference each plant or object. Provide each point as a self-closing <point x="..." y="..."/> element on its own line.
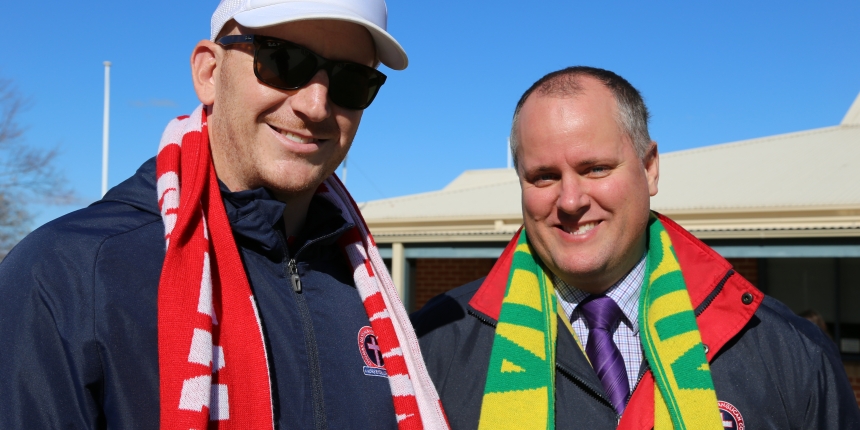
<point x="287" y="66"/>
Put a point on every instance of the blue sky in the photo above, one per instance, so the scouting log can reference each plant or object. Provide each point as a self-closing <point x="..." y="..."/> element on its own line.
<point x="711" y="72"/>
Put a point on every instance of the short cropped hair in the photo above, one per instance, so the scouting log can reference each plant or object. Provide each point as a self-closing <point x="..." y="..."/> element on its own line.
<point x="632" y="113"/>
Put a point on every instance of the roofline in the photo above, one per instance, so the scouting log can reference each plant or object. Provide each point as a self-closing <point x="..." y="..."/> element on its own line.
<point x="719" y="146"/>
<point x="852" y="117"/>
<point x="701" y="233"/>
<point x="735" y="212"/>
<point x="444" y="220"/>
<point x="748" y="211"/>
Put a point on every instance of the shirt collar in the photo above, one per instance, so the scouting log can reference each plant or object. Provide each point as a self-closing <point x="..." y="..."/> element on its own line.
<point x="625" y="293"/>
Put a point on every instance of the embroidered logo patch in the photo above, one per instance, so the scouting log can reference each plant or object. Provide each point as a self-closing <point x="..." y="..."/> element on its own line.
<point x="371" y="353"/>
<point x="732" y="419"/>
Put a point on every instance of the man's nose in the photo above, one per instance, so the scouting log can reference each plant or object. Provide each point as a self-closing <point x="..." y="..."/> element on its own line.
<point x="311" y="100"/>
<point x="573" y="197"/>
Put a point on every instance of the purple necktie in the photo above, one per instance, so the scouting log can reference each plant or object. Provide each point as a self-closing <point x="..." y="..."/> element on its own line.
<point x="602" y="313"/>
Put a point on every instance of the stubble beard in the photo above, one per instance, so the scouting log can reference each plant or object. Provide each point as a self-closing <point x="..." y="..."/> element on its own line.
<point x="285" y="177"/>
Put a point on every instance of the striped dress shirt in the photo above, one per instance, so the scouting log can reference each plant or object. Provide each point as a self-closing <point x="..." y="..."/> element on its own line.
<point x="625" y="334"/>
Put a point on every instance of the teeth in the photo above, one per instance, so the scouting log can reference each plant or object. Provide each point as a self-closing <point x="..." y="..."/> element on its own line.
<point x="582" y="229"/>
<point x="295" y="137"/>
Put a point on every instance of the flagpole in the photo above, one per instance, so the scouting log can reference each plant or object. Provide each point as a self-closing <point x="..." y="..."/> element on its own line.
<point x="105" y="129"/>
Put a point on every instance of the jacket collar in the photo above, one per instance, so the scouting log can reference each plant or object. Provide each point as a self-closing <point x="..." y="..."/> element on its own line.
<point x="724" y="303"/>
<point x="487" y="301"/>
<point x="255" y="215"/>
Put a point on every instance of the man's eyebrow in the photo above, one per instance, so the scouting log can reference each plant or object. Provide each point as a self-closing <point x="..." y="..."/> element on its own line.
<point x="587" y="162"/>
<point x="548" y="168"/>
<point x="539" y="169"/>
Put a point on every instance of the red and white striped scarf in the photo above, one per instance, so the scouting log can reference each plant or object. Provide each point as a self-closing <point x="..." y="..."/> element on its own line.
<point x="212" y="356"/>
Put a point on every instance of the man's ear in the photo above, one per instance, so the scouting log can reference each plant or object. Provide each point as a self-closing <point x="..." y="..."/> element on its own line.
<point x="204" y="64"/>
<point x="652" y="168"/>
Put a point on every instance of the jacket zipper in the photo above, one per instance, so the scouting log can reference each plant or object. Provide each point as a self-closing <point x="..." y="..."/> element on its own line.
<point x="591" y="392"/>
<point x="714" y="293"/>
<point x="295" y="279"/>
<point x="642" y="373"/>
<point x="310" y="338"/>
<point x="482" y="319"/>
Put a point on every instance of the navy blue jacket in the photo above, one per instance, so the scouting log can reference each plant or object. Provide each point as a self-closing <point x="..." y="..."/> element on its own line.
<point x="771" y="369"/>
<point x="78" y="317"/>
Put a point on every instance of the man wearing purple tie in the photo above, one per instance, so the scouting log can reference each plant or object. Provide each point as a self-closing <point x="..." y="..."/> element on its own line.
<point x="653" y="328"/>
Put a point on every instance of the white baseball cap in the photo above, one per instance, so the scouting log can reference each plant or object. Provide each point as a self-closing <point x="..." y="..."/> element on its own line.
<point x="372" y="14"/>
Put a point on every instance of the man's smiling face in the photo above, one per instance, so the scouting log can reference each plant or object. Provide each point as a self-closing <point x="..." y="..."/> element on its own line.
<point x="287" y="141"/>
<point x="585" y="191"/>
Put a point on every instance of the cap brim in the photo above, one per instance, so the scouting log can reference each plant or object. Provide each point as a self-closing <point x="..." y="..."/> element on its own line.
<point x="389" y="51"/>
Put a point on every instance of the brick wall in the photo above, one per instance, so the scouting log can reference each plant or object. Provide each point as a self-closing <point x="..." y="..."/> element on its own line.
<point x="434" y="276"/>
<point x="746" y="267"/>
<point x="853" y="371"/>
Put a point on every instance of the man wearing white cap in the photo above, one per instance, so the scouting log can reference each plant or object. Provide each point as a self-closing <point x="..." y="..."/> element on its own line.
<point x="231" y="282"/>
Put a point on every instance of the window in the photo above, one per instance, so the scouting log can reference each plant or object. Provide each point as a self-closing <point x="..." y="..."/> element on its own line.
<point x="830" y="286"/>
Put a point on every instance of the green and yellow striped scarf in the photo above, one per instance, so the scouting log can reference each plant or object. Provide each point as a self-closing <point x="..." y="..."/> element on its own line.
<point x="520" y="388"/>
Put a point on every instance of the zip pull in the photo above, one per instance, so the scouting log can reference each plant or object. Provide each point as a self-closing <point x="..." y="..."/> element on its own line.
<point x="294" y="277"/>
